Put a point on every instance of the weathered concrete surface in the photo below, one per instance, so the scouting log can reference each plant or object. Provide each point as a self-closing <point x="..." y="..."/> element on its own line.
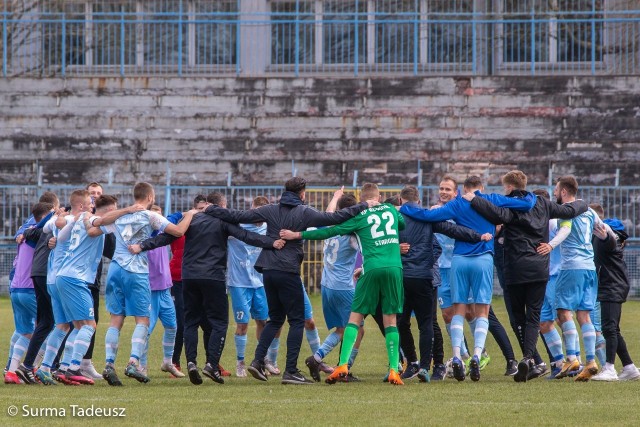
<point x="76" y="129"/>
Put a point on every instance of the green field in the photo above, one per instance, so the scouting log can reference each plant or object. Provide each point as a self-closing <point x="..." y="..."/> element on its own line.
<point x="495" y="400"/>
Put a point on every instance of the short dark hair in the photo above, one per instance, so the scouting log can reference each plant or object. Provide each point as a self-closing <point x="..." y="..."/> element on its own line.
<point x="142" y="190"/>
<point x="105" y="200"/>
<point x="516" y="178"/>
<point x="393" y="200"/>
<point x="296" y="185"/>
<point x="49" y="197"/>
<point x="598" y="209"/>
<point x="40" y="209"/>
<point x="472" y="182"/>
<point x="259" y="201"/>
<point x="93" y="184"/>
<point x="199" y="198"/>
<point x="569" y="184"/>
<point x="450" y="178"/>
<point x="410" y="193"/>
<point x="347" y="200"/>
<point x="216" y="198"/>
<point x="542" y="193"/>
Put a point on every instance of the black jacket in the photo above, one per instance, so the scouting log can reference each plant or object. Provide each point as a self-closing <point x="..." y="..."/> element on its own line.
<point x="418" y="262"/>
<point x="205" y="246"/>
<point x="523" y="233"/>
<point x="613" y="281"/>
<point x="291" y="214"/>
<point x="41" y="253"/>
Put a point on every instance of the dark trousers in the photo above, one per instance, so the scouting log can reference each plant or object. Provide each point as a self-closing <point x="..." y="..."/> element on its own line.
<point x="205" y="301"/>
<point x="610" y="315"/>
<point x="526" y="302"/>
<point x="95" y="294"/>
<point x="418" y="298"/>
<point x="285" y="298"/>
<point x="500" y="335"/>
<point x="438" y="340"/>
<point x="178" y="300"/>
<point x="44" y="319"/>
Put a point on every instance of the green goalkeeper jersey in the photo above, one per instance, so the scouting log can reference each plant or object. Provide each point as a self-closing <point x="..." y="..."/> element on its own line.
<point x="377" y="231"/>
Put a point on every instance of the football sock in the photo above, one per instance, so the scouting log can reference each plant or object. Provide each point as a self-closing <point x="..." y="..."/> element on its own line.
<point x="392" y="339"/>
<point x="348" y="341"/>
<point x="570" y="335"/>
<point x="589" y="337"/>
<point x="313" y="337"/>
<point x="241" y="346"/>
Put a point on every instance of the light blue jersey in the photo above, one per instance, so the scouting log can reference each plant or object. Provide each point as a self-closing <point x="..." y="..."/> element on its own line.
<point x="555" y="257"/>
<point x="131" y="229"/>
<point x="241" y="258"/>
<point x="576" y="249"/>
<point x="446" y="243"/>
<point x="340" y="254"/>
<point x="82" y="257"/>
<point x="56" y="255"/>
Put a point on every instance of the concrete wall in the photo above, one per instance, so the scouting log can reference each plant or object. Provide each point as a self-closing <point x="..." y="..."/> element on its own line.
<point x="76" y="129"/>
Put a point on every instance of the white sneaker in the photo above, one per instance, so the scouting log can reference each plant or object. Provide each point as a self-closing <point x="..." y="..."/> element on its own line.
<point x="171" y="368"/>
<point x="241" y="370"/>
<point x="606" y="375"/>
<point x="629" y="374"/>
<point x="271" y="367"/>
<point x="88" y="370"/>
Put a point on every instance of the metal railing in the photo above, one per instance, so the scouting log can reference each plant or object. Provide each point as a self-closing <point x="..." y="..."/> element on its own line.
<point x="317" y="37"/>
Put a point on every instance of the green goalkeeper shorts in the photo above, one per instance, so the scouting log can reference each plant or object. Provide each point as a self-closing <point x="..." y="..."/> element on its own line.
<point x="379" y="286"/>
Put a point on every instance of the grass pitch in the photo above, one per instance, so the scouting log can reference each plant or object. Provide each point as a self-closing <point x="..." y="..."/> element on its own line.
<point x="495" y="400"/>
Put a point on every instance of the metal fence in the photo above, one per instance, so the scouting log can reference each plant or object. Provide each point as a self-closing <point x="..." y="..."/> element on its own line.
<point x="318" y="37"/>
<point x="16" y="200"/>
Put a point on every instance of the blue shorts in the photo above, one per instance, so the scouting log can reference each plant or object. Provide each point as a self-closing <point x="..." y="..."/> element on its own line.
<point x="127" y="294"/>
<point x="576" y="290"/>
<point x="596" y="317"/>
<point x="59" y="314"/>
<point x="548" y="312"/>
<point x="472" y="279"/>
<point x="76" y="298"/>
<point x="245" y="301"/>
<point x="336" y="306"/>
<point x="308" y="310"/>
<point x="444" y="290"/>
<point x="163" y="308"/>
<point x="23" y="302"/>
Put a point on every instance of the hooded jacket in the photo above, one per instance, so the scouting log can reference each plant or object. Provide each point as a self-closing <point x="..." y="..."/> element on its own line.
<point x="523" y="233"/>
<point x="613" y="280"/>
<point x="291" y="214"/>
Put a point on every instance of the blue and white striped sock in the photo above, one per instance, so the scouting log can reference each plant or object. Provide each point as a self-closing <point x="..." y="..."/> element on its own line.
<point x="138" y="342"/>
<point x="329" y="344"/>
<point x="570" y="334"/>
<point x="241" y="346"/>
<point x="554" y="342"/>
<point x="14" y="338"/>
<point x="272" y="353"/>
<point x="589" y="337"/>
<point x="54" y="341"/>
<point x="81" y="345"/>
<point x="111" y="341"/>
<point x="352" y="357"/>
<point x="601" y="349"/>
<point x="313" y="337"/>
<point x="457" y="330"/>
<point x="481" y="329"/>
<point x="68" y="350"/>
<point x="168" y="343"/>
<point x="19" y="349"/>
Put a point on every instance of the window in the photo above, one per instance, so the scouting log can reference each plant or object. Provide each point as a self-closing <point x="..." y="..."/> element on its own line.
<point x="215" y="32"/>
<point x="293" y="30"/>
